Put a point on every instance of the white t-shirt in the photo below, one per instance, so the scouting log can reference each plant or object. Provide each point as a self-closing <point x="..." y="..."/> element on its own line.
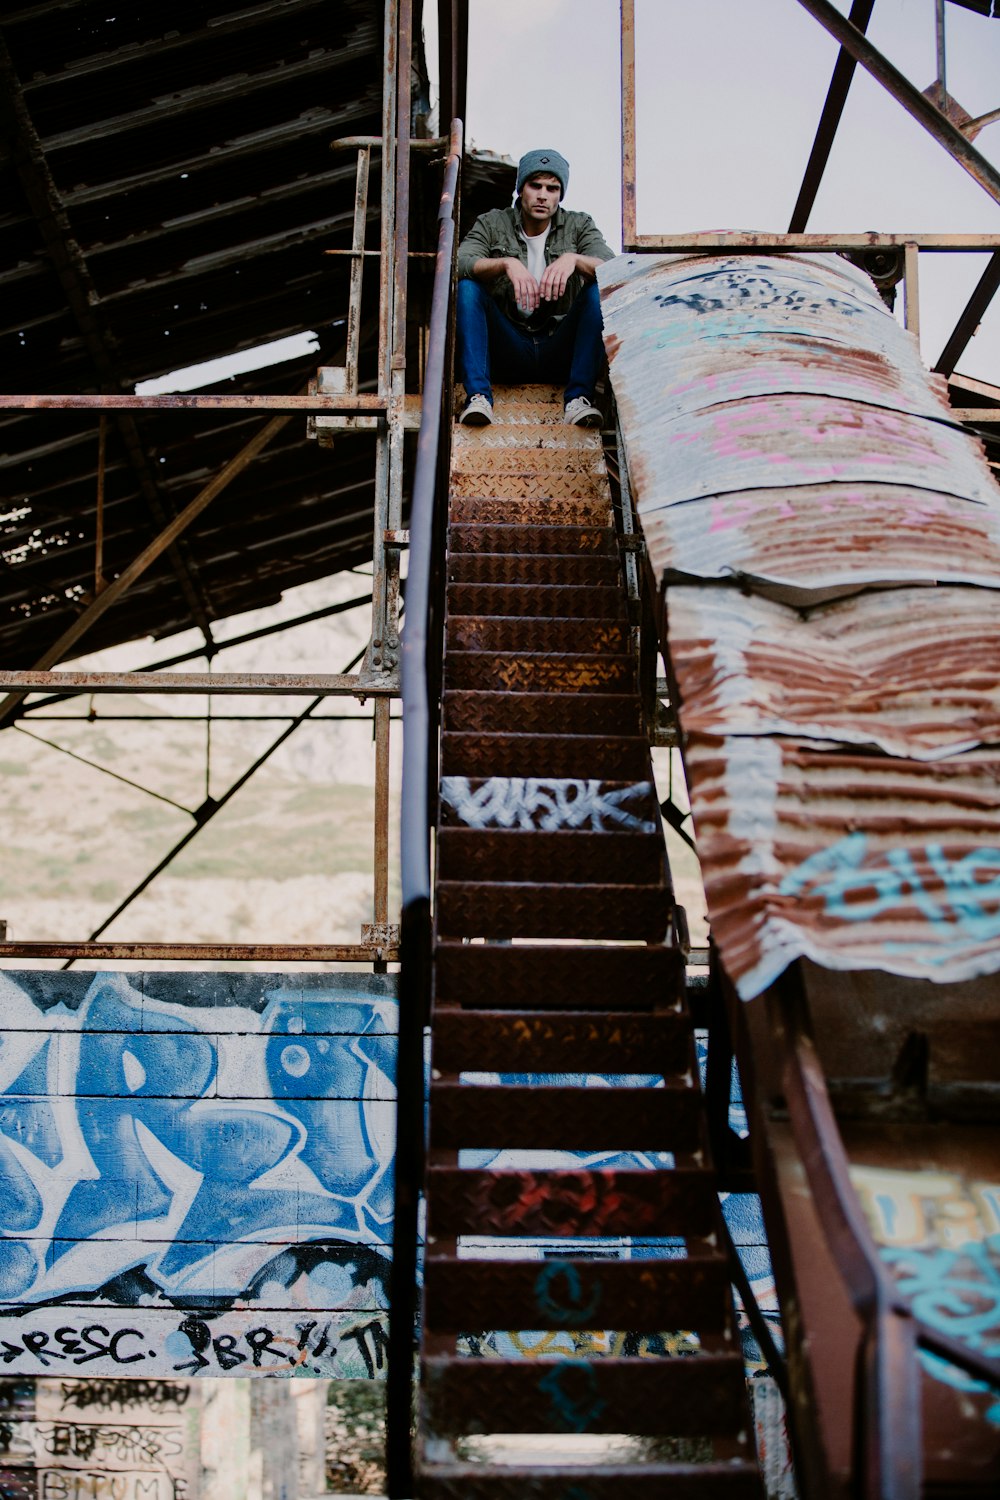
<point x="536" y="251"/>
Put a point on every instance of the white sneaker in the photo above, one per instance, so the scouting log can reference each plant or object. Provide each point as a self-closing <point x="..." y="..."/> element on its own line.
<point x="580" y="413"/>
<point x="477" y="412"/>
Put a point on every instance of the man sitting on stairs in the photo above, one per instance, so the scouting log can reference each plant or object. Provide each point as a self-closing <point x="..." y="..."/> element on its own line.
<point x="528" y="305"/>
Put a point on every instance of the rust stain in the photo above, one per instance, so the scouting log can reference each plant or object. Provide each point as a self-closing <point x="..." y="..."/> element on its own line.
<point x="829" y="542"/>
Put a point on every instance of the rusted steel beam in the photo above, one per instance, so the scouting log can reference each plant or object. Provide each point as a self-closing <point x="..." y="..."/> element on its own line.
<point x="148" y="556"/>
<point x="357" y="269"/>
<point x="359" y="142"/>
<point x="934" y="121"/>
<point x="744" y="242"/>
<point x="829" y="120"/>
<point x="267" y="684"/>
<point x="401" y="224"/>
<point x="989" y="416"/>
<point x="319" y="953"/>
<point x="183" y="401"/>
<point x="911" y="289"/>
<point x="234" y="640"/>
<point x="971" y="317"/>
<point x="381" y="851"/>
<point x="628" y="122"/>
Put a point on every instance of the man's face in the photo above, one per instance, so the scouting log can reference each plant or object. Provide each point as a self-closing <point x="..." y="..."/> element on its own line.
<point x="539" y="200"/>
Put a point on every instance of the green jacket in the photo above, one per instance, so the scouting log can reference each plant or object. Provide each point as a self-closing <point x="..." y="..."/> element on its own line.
<point x="498" y="233"/>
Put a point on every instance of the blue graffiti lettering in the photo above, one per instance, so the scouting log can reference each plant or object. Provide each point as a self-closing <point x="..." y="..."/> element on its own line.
<point x="206" y="1160"/>
<point x="959" y="899"/>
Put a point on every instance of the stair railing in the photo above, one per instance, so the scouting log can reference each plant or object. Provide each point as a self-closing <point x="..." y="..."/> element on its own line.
<point x="420" y="669"/>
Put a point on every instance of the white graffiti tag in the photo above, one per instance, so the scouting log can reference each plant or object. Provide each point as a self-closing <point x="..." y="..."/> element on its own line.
<point x="564" y="803"/>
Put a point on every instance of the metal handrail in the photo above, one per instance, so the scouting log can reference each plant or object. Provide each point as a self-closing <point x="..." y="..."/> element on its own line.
<point x="888" y="1409"/>
<point x="420" y="724"/>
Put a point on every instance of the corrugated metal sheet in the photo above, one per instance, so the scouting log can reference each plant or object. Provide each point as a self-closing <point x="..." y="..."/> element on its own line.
<point x="913" y="672"/>
<point x="785" y="444"/>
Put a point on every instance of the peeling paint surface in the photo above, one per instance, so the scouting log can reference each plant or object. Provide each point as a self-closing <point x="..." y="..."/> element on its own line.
<point x="797" y="473"/>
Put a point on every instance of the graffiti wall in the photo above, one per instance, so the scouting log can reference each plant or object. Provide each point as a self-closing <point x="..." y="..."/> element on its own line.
<point x="100" y="1439"/>
<point x="195" y="1172"/>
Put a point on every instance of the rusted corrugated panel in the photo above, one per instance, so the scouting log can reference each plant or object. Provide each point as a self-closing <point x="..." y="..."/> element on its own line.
<point x="856" y="861"/>
<point x="805" y="543"/>
<point x="783" y="439"/>
<point x="912" y="672"/>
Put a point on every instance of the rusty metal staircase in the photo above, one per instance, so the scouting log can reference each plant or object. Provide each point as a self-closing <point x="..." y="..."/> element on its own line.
<point x="553" y="960"/>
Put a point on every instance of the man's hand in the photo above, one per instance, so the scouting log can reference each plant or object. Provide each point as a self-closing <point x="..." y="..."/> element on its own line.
<point x="556" y="276"/>
<point x="526" y="289"/>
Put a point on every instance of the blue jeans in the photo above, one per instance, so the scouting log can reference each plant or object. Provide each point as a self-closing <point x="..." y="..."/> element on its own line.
<point x="488" y="342"/>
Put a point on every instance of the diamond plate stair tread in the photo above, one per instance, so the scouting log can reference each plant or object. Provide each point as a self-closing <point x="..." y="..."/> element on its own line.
<point x="549" y="804"/>
<point x="494" y="976"/>
<point x="528" y="910"/>
<point x="506" y="712"/>
<point x="539" y="671"/>
<point x="539" y="637"/>
<point x="731" y="1479"/>
<point x="493" y="470"/>
<point x="474" y="1295"/>
<point x="599" y="1202"/>
<point x="531" y="436"/>
<point x="556" y="484"/>
<point x="584" y="541"/>
<point x="703" y="1394"/>
<point x="547" y="601"/>
<point x="576" y="855"/>
<point x="477" y="506"/>
<point x="583" y="756"/>
<point x="549" y="1118"/>
<point x="533" y="568"/>
<point x="529" y="1041"/>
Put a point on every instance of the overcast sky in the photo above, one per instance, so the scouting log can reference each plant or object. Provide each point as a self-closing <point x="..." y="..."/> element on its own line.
<point x="729" y="95"/>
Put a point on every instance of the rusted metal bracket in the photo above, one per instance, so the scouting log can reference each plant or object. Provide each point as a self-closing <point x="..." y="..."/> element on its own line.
<point x="383" y="937"/>
<point x="377" y="949"/>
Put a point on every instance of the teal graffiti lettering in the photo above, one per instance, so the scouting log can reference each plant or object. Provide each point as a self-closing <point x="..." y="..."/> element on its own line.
<point x="968" y="894"/>
<point x="571" y="1387"/>
<point x="840" y="877"/>
<point x="559" y="1293"/>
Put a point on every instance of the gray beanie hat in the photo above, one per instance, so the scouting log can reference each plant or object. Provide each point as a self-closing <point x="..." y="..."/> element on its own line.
<point x="543" y="160"/>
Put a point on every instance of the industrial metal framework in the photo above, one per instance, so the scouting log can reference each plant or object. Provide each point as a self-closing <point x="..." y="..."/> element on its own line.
<point x="335" y="404"/>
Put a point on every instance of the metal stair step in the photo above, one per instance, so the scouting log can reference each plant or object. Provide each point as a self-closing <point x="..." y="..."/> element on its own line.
<point x="514" y="633"/>
<point x="731" y="1479"/>
<point x="544" y="1117"/>
<point x="557" y="482"/>
<point x="543" y="600"/>
<point x="703" y="1394"/>
<point x="544" y="509"/>
<point x="560" y="1202"/>
<point x="589" y="541"/>
<point x="474" y="1295"/>
<point x="533" y="567"/>
<point x="507" y="712"/>
<point x="539" y="671"/>
<point x="527" y="855"/>
<point x="549" y="804"/>
<point x="546" y="1041"/>
<point x="581" y="756"/>
<point x="532" y="976"/>
<point x="528" y="909"/>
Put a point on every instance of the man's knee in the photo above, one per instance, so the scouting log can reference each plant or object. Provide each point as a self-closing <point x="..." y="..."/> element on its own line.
<point x="469" y="295"/>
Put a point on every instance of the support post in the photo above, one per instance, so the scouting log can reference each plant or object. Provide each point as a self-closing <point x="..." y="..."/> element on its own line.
<point x="911" y="289"/>
<point x="628" y="124"/>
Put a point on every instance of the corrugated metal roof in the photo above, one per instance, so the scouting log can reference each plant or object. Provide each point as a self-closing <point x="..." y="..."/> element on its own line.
<point x="167" y="193"/>
<point x="785" y="443"/>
